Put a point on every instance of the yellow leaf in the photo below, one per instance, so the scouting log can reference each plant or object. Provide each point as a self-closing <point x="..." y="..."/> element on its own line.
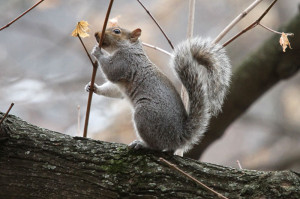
<point x="113" y="22"/>
<point x="284" y="41"/>
<point x="81" y="29"/>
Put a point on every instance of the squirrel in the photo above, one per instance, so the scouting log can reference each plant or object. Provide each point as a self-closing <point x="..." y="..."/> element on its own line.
<point x="161" y="120"/>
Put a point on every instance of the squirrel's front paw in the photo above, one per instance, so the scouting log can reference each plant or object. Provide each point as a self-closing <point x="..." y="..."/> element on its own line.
<point x="88" y="87"/>
<point x="96" y="51"/>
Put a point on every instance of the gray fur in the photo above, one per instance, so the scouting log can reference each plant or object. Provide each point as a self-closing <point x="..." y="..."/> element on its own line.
<point x="205" y="71"/>
<point x="159" y="116"/>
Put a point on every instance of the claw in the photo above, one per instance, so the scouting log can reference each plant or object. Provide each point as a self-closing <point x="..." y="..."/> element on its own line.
<point x="88" y="87"/>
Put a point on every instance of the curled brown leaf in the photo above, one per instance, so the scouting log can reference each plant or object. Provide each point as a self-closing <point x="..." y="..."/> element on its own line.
<point x="81" y="29"/>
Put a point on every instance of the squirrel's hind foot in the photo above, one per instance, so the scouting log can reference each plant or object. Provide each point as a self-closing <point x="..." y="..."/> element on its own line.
<point x="136" y="144"/>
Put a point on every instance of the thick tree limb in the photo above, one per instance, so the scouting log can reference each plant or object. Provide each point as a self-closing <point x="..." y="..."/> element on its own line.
<point x="262" y="70"/>
<point x="39" y="163"/>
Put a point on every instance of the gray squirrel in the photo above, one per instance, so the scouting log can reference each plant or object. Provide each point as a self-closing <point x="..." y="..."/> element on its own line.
<point x="160" y="119"/>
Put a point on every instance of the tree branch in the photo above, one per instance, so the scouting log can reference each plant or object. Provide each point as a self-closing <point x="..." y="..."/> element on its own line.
<point x="236" y="20"/>
<point x="261" y="71"/>
<point x="157" y="48"/>
<point x="155" y="21"/>
<point x="191" y="177"/>
<point x="190" y="31"/>
<point x="274" y="31"/>
<point x="39" y="163"/>
<point x="3" y="118"/>
<point x="86" y="51"/>
<point x="191" y="18"/>
<point x="95" y="66"/>
<point x="253" y="25"/>
<point x="24" y="13"/>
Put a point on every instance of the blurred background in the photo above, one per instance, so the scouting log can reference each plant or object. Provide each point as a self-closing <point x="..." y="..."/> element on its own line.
<point x="43" y="70"/>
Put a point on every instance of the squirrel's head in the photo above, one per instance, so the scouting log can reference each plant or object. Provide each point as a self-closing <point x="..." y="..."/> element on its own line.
<point x="114" y="37"/>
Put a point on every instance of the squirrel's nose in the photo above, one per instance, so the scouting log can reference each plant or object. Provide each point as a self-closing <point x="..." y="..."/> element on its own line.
<point x="97" y="36"/>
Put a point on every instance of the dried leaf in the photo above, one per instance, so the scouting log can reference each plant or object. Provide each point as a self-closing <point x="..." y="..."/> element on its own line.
<point x="113" y="22"/>
<point x="81" y="29"/>
<point x="284" y="42"/>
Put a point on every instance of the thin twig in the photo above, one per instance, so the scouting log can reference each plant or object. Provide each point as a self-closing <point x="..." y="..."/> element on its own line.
<point x="191" y="19"/>
<point x="90" y="97"/>
<point x="269" y="29"/>
<point x="191" y="177"/>
<point x="239" y="164"/>
<point x="12" y="104"/>
<point x="239" y="34"/>
<point x="266" y="11"/>
<point x="105" y="23"/>
<point x="24" y="13"/>
<point x="88" y="54"/>
<point x="157" y="48"/>
<point x="156" y="24"/>
<point x="78" y="120"/>
<point x="95" y="66"/>
<point x="250" y="26"/>
<point x="274" y="31"/>
<point x="236" y="20"/>
<point x="190" y="31"/>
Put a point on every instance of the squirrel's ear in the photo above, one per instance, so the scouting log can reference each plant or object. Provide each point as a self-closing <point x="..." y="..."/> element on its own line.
<point x="135" y="34"/>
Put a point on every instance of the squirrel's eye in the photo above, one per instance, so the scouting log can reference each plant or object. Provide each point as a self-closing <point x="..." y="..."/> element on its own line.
<point x="117" y="31"/>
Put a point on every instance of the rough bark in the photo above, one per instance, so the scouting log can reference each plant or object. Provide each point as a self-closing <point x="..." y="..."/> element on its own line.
<point x="39" y="163"/>
<point x="256" y="75"/>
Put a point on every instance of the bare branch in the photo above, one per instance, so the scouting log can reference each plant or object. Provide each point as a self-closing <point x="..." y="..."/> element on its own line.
<point x="157" y="48"/>
<point x="274" y="31"/>
<point x="78" y="120"/>
<point x="105" y="23"/>
<point x="173" y="166"/>
<point x="251" y="26"/>
<point x="190" y="31"/>
<point x="95" y="66"/>
<point x="88" y="54"/>
<point x="191" y="19"/>
<point x="156" y="24"/>
<point x="24" y="13"/>
<point x="239" y="164"/>
<point x="12" y="104"/>
<point x="236" y="20"/>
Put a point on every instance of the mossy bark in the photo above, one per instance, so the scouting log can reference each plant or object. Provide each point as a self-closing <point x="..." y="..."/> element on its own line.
<point x="256" y="75"/>
<point x="39" y="163"/>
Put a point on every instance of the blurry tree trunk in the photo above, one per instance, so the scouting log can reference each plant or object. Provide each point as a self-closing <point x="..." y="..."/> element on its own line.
<point x="259" y="72"/>
<point x="39" y="163"/>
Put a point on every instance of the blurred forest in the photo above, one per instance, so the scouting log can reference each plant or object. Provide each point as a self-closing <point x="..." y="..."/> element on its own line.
<point x="44" y="71"/>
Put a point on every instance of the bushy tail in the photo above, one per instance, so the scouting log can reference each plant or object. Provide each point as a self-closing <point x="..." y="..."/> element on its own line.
<point x="205" y="71"/>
